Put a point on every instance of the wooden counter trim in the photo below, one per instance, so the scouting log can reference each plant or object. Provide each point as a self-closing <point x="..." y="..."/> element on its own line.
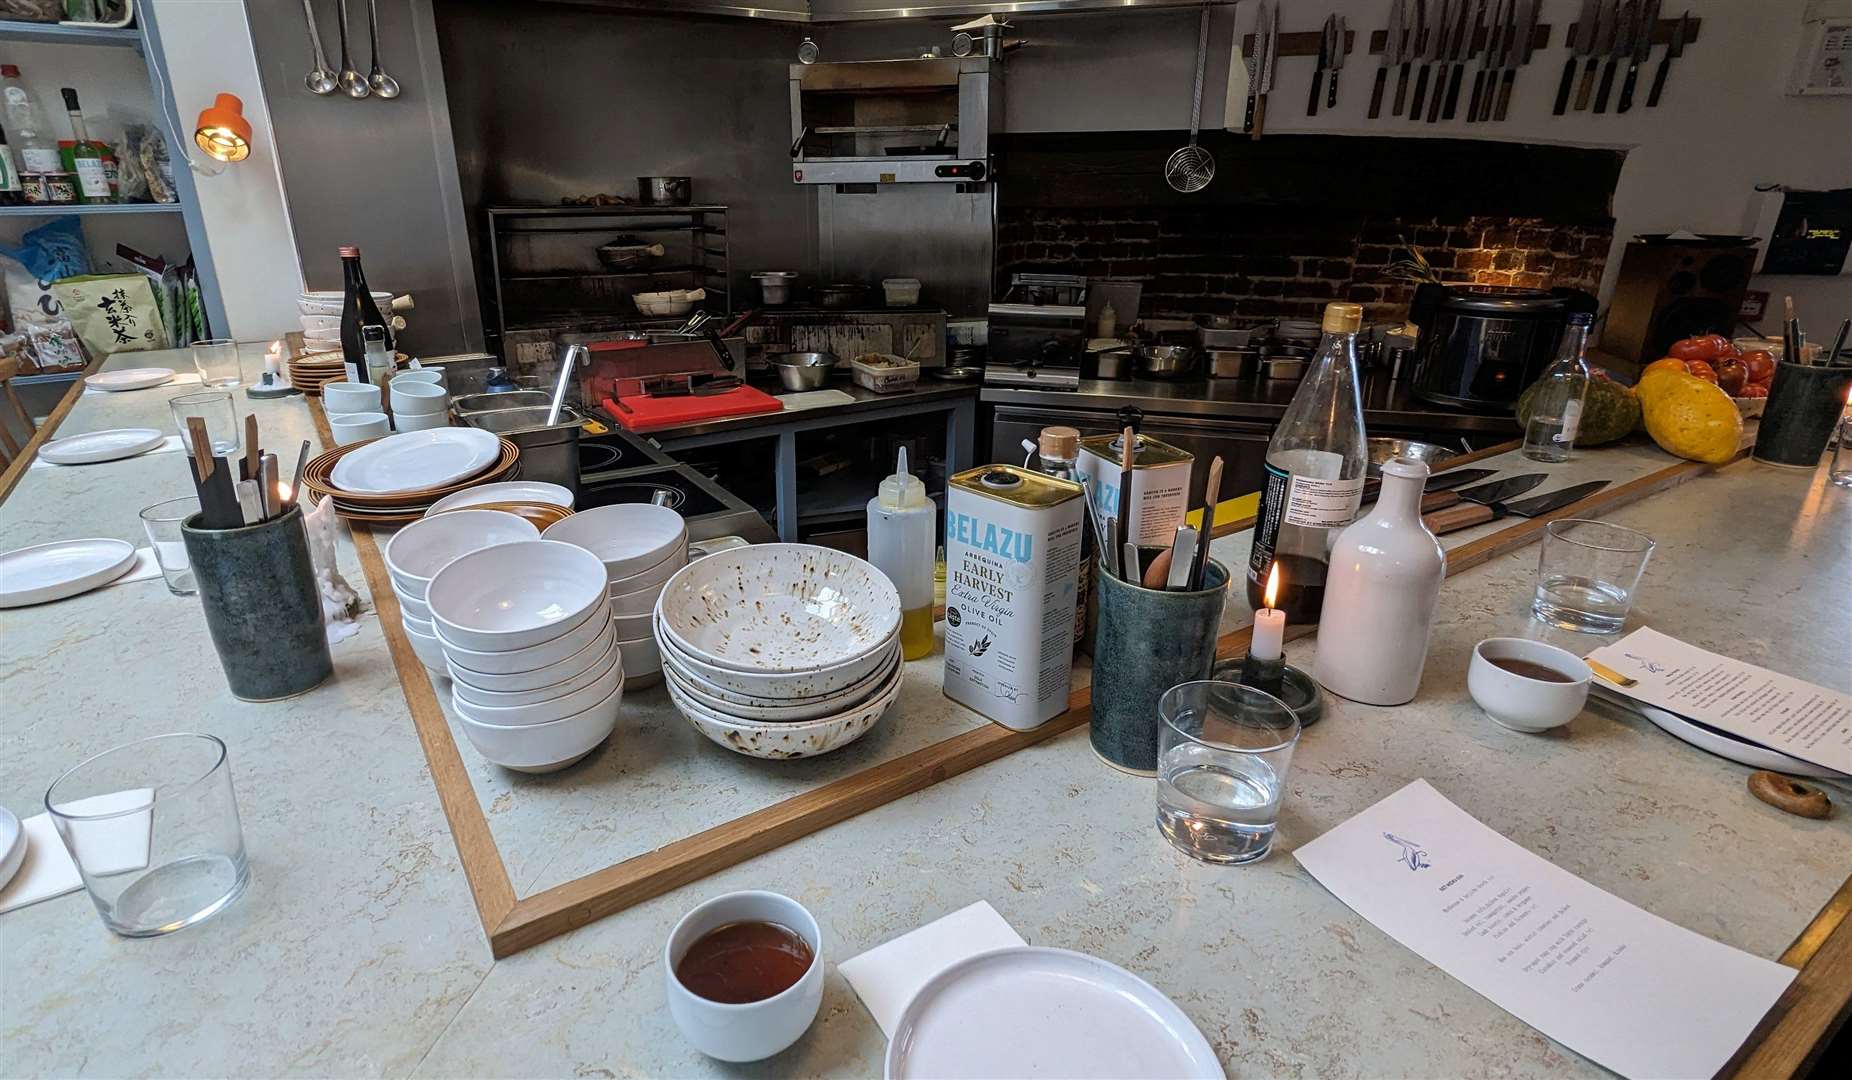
<point x="1816" y="1005"/>
<point x="30" y="452"/>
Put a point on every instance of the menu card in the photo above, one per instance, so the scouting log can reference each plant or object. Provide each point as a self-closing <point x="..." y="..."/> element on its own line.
<point x="1617" y="984"/>
<point x="1780" y="712"/>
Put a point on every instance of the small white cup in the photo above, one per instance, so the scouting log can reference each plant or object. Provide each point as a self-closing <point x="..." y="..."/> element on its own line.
<point x="417" y="398"/>
<point x="1522" y="703"/>
<point x="758" y="1029"/>
<point x="434" y="376"/>
<point x="353" y="427"/>
<point x="350" y="397"/>
<point x="420" y="421"/>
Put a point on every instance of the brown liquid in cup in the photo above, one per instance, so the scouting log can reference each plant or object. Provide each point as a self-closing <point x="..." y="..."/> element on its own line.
<point x="744" y="962"/>
<point x="1529" y="669"/>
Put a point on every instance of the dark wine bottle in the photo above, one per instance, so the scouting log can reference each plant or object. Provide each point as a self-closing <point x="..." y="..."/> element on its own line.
<point x="358" y="311"/>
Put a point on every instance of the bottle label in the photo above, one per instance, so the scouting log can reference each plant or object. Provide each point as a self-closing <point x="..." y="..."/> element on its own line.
<point x="354" y="372"/>
<point x="91" y="179"/>
<point x="1572" y="422"/>
<point x="1267" y="524"/>
<point x="9" y="176"/>
<point x="1323" y="504"/>
<point x="38" y="160"/>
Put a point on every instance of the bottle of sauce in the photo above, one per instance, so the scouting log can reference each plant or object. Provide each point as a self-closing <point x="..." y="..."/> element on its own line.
<point x="1315" y="470"/>
<point x="358" y="311"/>
<point x="903" y="525"/>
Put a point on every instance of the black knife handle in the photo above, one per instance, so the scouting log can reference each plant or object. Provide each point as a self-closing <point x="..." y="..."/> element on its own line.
<point x="1504" y="94"/>
<point x="1421" y="92"/>
<point x="1563" y="87"/>
<point x="1607" y="86"/>
<point x="1473" y="103"/>
<point x="1587" y="89"/>
<point x="1401" y="90"/>
<point x="1331" y="96"/>
<point x="1247" y="119"/>
<point x="1318" y="85"/>
<point x="1659" y="82"/>
<point x="1260" y="117"/>
<point x="1439" y="95"/>
<point x="1453" y="92"/>
<point x="1626" y="90"/>
<point x="1376" y="92"/>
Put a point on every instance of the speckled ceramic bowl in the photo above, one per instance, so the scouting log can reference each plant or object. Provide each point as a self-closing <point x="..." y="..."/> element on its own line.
<point x="778" y="686"/>
<point x="779" y="608"/>
<point x="793" y="710"/>
<point x="785" y="740"/>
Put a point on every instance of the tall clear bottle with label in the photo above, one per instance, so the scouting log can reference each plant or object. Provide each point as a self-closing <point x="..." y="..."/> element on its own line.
<point x="1315" y="470"/>
<point x="1562" y="390"/>
<point x="86" y="157"/>
<point x="32" y="138"/>
<point x="11" y="193"/>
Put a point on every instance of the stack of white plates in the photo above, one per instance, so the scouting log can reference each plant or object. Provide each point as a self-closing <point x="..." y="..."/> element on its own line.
<point x="418" y="551"/>
<point x="641" y="546"/>
<point x="526" y="633"/>
<point x="780" y="650"/>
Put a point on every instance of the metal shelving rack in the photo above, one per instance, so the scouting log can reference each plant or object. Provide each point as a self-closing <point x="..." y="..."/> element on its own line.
<point x="698" y="256"/>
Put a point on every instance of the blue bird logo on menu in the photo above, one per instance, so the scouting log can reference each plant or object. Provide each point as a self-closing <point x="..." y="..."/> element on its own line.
<point x="1648" y="666"/>
<point x="1412" y="854"/>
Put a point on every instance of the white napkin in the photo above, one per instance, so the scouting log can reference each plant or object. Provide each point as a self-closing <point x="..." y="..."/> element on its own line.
<point x="184" y="378"/>
<point x="145" y="567"/>
<point x="168" y="445"/>
<point x="109" y="847"/>
<point x="887" y="976"/>
<point x="814" y="399"/>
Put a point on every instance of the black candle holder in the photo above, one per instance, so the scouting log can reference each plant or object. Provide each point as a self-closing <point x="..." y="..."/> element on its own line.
<point x="1294" y="687"/>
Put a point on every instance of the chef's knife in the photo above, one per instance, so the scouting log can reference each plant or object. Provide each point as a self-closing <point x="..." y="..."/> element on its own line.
<point x="1496" y="491"/>
<point x="1584" y="45"/>
<point x="1324" y="61"/>
<point x="1465" y="39"/>
<point x="1622" y="45"/>
<point x="1524" y="46"/>
<point x="1642" y="49"/>
<point x="1392" y="57"/>
<point x="1606" y="19"/>
<point x="1439" y="488"/>
<point x="1340" y="44"/>
<point x="1673" y="51"/>
<point x="1465" y="516"/>
<point x="1431" y="38"/>
<point x="1487" y="58"/>
<point x="1258" y="71"/>
<point x="1415" y="23"/>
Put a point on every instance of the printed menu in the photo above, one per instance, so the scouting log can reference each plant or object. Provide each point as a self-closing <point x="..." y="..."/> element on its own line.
<point x="1778" y="711"/>
<point x="1617" y="984"/>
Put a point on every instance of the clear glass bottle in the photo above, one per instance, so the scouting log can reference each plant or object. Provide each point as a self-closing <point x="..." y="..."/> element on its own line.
<point x="86" y="156"/>
<point x="1562" y="390"/>
<point x="32" y="138"/>
<point x="1316" y="464"/>
<point x="11" y="192"/>
<point x="379" y="358"/>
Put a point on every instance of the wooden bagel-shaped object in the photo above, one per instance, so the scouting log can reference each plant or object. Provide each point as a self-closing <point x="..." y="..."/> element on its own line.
<point x="1789" y="794"/>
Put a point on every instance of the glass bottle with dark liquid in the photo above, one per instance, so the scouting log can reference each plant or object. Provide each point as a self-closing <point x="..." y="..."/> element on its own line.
<point x="1316" y="463"/>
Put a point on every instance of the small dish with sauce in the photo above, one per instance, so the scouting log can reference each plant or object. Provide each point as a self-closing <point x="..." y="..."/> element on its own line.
<point x="1527" y="685"/>
<point x="745" y="974"/>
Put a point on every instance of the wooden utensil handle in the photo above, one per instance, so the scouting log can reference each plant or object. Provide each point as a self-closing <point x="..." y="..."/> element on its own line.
<point x="1260" y="117"/>
<point x="1455" y="518"/>
<point x="1438" y="500"/>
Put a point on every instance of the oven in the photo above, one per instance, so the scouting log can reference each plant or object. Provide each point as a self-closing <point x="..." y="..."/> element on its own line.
<point x="895" y="121"/>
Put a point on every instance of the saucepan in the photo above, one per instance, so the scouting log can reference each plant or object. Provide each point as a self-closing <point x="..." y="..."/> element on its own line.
<point x="1383" y="449"/>
<point x="664" y="190"/>
<point x="804" y="370"/>
<point x="1166" y="361"/>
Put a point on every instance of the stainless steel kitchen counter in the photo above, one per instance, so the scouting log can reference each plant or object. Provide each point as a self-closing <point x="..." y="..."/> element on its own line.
<point x="926" y="391"/>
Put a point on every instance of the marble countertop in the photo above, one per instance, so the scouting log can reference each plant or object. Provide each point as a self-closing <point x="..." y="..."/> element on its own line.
<point x="357" y="950"/>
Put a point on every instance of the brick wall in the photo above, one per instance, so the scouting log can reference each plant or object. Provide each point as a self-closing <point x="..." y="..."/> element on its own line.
<point x="1260" y="263"/>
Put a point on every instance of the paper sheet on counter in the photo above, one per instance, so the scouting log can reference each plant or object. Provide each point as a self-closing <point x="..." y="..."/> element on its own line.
<point x="1615" y="983"/>
<point x="887" y="976"/>
<point x="1778" y="711"/>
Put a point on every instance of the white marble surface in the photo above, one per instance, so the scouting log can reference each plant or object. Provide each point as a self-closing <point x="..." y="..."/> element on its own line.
<point x="357" y="951"/>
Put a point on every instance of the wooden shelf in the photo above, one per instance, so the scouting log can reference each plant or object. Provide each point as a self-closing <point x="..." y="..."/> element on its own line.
<point x="59" y="34"/>
<point x="59" y="210"/>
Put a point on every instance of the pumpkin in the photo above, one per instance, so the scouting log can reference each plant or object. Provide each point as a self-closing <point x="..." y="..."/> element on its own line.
<point x="1690" y="417"/>
<point x="1609" y="412"/>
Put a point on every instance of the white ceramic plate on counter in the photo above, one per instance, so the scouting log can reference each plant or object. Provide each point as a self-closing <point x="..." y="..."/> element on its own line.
<point x="417" y="461"/>
<point x="47" y="572"/>
<point x="1721" y="743"/>
<point x="98" y="446"/>
<point x="504" y="491"/>
<point x="1044" y="1012"/>
<point x="12" y="846"/>
<point x="135" y="378"/>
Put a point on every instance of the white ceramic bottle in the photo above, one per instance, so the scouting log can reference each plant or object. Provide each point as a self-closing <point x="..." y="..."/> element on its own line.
<point x="1380" y="595"/>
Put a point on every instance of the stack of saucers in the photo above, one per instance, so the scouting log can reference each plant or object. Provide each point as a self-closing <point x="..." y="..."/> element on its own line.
<point x="526" y="633"/>
<point x="641" y="546"/>
<point x="417" y="552"/>
<point x="780" y="650"/>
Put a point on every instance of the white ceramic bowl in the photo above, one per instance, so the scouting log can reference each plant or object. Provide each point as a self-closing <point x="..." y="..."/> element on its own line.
<point x="636" y="603"/>
<point x="504" y="491"/>
<point x="563" y="670"/>
<point x="350" y="397"/>
<point x="629" y="537"/>
<point x="321" y="325"/>
<point x="545" y="747"/>
<point x="779" y="608"/>
<point x="641" y="657"/>
<point x="357" y="426"/>
<point x="603" y="681"/>
<point x="434" y="376"/>
<point x="315" y="343"/>
<point x="513" y="596"/>
<point x="779" y="686"/>
<point x="730" y="705"/>
<point x="417" y="552"/>
<point x="631" y="627"/>
<point x="422" y="626"/>
<point x="329" y="301"/>
<point x="756" y="1029"/>
<point x="653" y="578"/>
<point x="531" y="657"/>
<point x="609" y="657"/>
<point x="779" y="741"/>
<point x="430" y="651"/>
<point x="1522" y="703"/>
<point x="417" y="398"/>
<point x="413" y="606"/>
<point x="420" y="421"/>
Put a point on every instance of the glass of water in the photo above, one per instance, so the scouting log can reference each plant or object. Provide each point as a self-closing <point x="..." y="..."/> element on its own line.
<point x="218" y="362"/>
<point x="1840" y="471"/>
<point x="1223" y="751"/>
<point x="162" y="524"/>
<point x="216" y="408"/>
<point x="152" y="873"/>
<point x="1587" y="573"/>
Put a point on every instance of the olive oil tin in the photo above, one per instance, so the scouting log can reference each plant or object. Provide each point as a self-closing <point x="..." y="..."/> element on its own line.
<point x="1160" y="484"/>
<point x="1012" y="560"/>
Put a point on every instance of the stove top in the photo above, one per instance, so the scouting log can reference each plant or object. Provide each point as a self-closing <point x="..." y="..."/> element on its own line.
<point x="710" y="509"/>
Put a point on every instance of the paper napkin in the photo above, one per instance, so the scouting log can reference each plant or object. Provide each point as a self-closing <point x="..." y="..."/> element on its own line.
<point x="110" y="847"/>
<point x="887" y="976"/>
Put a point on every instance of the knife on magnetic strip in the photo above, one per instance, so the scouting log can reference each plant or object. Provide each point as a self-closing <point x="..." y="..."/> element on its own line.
<point x="1466" y="515"/>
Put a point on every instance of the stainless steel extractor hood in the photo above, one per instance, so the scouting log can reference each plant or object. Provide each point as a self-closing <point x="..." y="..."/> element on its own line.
<point x="835" y="11"/>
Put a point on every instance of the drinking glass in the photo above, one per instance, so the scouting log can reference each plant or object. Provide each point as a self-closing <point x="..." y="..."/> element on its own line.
<point x="215" y="407"/>
<point x="1840" y="472"/>
<point x="162" y="524"/>
<point x="1223" y="751"/>
<point x="1587" y="573"/>
<point x="218" y="362"/>
<point x="153" y="873"/>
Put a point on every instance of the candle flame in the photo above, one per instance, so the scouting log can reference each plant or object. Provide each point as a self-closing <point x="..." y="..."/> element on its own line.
<point x="1273" y="583"/>
<point x="283" y="492"/>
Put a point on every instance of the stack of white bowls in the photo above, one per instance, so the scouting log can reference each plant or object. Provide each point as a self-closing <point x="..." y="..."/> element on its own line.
<point x="525" y="628"/>
<point x="418" y="403"/>
<point x="780" y="650"/>
<point x="321" y="317"/>
<point x="641" y="546"/>
<point x="417" y="552"/>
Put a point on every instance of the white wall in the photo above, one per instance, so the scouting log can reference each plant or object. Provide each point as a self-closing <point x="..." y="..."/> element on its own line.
<point x="208" y="51"/>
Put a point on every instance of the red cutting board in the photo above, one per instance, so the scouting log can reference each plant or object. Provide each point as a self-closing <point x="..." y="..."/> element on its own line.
<point x="653" y="413"/>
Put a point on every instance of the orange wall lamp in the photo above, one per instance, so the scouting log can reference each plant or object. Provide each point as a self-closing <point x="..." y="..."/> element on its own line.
<point x="222" y="131"/>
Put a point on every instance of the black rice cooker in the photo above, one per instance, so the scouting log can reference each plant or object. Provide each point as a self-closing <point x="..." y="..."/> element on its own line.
<point x="1481" y="345"/>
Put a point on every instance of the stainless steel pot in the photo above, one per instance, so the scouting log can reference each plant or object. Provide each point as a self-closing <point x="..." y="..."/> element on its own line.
<point x="1232" y="363"/>
<point x="1115" y="363"/>
<point x="549" y="452"/>
<point x="804" y="370"/>
<point x="664" y="190"/>
<point x="1166" y="361"/>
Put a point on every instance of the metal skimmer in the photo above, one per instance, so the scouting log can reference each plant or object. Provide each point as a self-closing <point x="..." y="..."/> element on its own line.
<point x="1192" y="167"/>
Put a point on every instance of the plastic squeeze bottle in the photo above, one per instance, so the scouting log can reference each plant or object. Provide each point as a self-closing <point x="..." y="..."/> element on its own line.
<point x="902" y="526"/>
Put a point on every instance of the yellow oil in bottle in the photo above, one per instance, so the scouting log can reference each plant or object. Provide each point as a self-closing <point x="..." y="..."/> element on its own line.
<point x="916" y="638"/>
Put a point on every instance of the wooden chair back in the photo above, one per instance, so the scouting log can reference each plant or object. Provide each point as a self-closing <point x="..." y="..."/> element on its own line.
<point x="9" y="447"/>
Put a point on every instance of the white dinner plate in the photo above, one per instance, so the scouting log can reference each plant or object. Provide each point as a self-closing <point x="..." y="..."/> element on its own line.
<point x="94" y="446"/>
<point x="12" y="846"/>
<point x="1044" y="1012"/>
<point x="506" y="491"/>
<point x="45" y="572"/>
<point x="135" y="378"/>
<point x="1721" y="743"/>
<point x="416" y="460"/>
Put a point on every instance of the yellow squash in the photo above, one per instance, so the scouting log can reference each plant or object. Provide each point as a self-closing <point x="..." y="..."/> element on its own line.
<point x="1690" y="417"/>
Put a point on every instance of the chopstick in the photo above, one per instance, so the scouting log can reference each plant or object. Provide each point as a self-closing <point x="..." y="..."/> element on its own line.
<point x="1127" y="442"/>
<point x="1212" y="493"/>
<point x="253" y="456"/>
<point x="295" y="485"/>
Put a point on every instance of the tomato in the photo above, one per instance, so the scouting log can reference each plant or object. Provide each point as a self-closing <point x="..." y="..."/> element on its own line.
<point x="1732" y="376"/>
<point x="1705" y="347"/>
<point x="1754" y="390"/>
<point x="1667" y="363"/>
<point x="1761" y="365"/>
<point x="1701" y="370"/>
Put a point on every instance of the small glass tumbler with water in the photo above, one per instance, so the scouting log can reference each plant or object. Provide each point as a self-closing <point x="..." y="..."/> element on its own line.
<point x="215" y="407"/>
<point x="218" y="362"/>
<point x="1223" y="752"/>
<point x="1587" y="573"/>
<point x="150" y="872"/>
<point x="1840" y="471"/>
<point x="162" y="524"/>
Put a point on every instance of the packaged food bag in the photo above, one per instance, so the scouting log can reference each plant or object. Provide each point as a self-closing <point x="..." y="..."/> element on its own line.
<point x="112" y="312"/>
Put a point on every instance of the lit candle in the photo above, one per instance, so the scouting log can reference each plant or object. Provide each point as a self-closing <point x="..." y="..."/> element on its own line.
<point x="1269" y="622"/>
